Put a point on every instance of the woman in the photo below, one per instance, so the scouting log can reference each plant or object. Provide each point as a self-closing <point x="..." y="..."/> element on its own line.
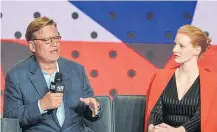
<point x="183" y="98"/>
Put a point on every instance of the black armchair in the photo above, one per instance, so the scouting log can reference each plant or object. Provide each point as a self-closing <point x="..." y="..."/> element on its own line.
<point x="128" y="113"/>
<point x="124" y="114"/>
<point x="105" y="123"/>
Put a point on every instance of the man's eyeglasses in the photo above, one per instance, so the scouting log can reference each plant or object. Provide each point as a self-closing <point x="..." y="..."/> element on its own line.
<point x="49" y="40"/>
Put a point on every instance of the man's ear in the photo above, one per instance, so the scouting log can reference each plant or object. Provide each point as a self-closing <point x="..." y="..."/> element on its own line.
<point x="31" y="46"/>
<point x="197" y="50"/>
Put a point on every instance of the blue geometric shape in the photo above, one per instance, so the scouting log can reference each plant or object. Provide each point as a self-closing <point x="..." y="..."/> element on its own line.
<point x="130" y="17"/>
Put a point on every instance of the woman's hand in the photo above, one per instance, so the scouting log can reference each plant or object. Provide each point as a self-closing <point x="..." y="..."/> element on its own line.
<point x="151" y="128"/>
<point x="167" y="128"/>
<point x="163" y="128"/>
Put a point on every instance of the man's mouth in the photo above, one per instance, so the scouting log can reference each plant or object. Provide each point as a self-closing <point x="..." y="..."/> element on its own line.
<point x="53" y="51"/>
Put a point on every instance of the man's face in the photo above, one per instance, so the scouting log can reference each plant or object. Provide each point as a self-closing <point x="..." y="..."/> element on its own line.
<point x="46" y="44"/>
<point x="183" y="49"/>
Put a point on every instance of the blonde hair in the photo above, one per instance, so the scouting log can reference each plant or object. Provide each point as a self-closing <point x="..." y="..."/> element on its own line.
<point x="198" y="37"/>
<point x="36" y="25"/>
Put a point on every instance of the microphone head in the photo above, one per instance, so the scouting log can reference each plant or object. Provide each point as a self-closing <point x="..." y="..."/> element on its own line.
<point x="58" y="77"/>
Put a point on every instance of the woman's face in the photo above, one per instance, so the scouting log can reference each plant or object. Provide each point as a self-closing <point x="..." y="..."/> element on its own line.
<point x="184" y="50"/>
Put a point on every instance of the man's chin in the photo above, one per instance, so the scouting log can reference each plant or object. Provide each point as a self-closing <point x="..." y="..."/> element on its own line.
<point x="54" y="59"/>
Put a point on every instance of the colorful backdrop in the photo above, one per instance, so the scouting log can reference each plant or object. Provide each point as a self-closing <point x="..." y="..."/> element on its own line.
<point x="121" y="44"/>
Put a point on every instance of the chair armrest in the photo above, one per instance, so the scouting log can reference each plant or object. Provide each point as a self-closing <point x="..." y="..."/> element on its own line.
<point x="104" y="124"/>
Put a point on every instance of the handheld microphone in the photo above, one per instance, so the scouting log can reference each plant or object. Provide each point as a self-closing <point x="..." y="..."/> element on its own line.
<point x="57" y="86"/>
<point x="53" y="87"/>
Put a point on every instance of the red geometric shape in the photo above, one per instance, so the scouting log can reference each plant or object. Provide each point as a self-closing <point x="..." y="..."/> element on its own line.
<point x="112" y="72"/>
<point x="2" y="90"/>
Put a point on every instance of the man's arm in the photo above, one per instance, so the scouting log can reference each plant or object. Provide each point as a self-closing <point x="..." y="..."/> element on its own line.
<point x="14" y="106"/>
<point x="88" y="92"/>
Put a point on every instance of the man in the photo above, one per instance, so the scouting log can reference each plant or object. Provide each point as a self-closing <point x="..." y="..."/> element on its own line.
<point x="27" y="88"/>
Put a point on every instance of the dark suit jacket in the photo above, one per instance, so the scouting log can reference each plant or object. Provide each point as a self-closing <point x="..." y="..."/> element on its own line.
<point x="208" y="88"/>
<point x="25" y="85"/>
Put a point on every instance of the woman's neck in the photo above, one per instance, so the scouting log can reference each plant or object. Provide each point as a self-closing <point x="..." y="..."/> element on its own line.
<point x="189" y="68"/>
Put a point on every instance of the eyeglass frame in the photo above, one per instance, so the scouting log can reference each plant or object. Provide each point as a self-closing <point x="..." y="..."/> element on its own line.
<point x="51" y="39"/>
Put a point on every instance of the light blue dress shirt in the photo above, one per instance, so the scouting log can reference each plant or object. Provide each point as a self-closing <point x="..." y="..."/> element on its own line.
<point x="60" y="111"/>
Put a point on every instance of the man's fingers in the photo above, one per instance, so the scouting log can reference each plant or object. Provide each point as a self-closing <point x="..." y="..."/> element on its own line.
<point x="58" y="94"/>
<point x="96" y="106"/>
<point x="59" y="99"/>
<point x="92" y="103"/>
<point x="85" y="100"/>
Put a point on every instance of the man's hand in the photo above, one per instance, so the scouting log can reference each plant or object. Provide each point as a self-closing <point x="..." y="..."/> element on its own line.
<point x="93" y="105"/>
<point x="51" y="101"/>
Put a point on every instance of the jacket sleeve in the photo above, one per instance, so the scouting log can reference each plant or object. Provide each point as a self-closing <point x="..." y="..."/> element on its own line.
<point x="88" y="92"/>
<point x="14" y="106"/>
<point x="147" y="115"/>
<point x="156" y="116"/>
<point x="194" y="122"/>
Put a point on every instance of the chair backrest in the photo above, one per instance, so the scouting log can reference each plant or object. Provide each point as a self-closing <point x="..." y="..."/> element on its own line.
<point x="128" y="113"/>
<point x="124" y="114"/>
<point x="105" y="123"/>
<point x="10" y="125"/>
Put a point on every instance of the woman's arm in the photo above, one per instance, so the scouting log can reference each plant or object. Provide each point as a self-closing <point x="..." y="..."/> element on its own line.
<point x="156" y="115"/>
<point x="192" y="124"/>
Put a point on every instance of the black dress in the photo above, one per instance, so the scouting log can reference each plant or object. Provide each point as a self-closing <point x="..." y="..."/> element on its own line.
<point x="174" y="112"/>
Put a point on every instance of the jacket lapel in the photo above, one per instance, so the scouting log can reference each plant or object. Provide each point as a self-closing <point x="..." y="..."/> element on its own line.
<point x="207" y="88"/>
<point x="37" y="77"/>
<point x="159" y="84"/>
<point x="38" y="80"/>
<point x="67" y="82"/>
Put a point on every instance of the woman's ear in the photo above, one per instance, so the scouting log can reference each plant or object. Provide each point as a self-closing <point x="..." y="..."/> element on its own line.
<point x="31" y="46"/>
<point x="197" y="50"/>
